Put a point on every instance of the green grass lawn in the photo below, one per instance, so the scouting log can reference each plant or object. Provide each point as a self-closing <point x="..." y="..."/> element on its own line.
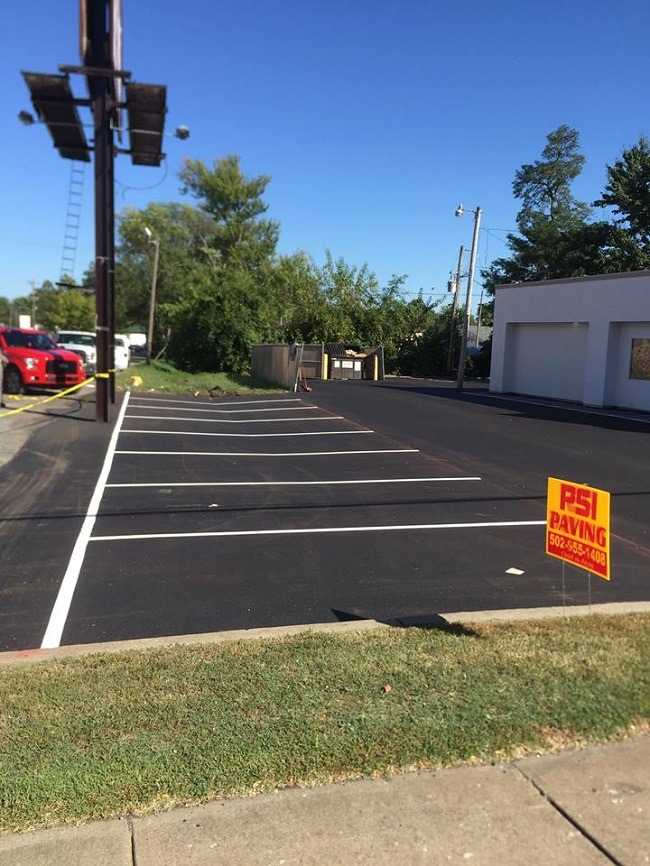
<point x="139" y="731"/>
<point x="163" y="377"/>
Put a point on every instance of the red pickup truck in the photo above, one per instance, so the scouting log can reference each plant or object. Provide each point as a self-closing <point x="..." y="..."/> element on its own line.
<point x="35" y="361"/>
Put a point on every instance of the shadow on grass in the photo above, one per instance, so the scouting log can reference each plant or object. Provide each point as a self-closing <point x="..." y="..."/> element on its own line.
<point x="243" y="380"/>
<point x="422" y="621"/>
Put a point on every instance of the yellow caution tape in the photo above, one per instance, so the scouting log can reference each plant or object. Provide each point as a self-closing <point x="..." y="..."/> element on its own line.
<point x="48" y="399"/>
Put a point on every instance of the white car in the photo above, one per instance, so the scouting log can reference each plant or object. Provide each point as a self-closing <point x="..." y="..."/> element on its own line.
<point x="82" y="343"/>
<point x="122" y="352"/>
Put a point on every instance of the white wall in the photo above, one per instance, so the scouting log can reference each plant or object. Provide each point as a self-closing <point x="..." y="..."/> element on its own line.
<point x="571" y="339"/>
<point x="620" y="390"/>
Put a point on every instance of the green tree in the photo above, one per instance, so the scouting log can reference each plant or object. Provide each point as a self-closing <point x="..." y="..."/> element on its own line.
<point x="5" y="310"/>
<point x="544" y="186"/>
<point x="183" y="235"/>
<point x="215" y="322"/>
<point x="221" y="286"/>
<point x="555" y="237"/>
<point x="627" y="193"/>
<point x="88" y="276"/>
<point x="54" y="307"/>
<point x="299" y="304"/>
<point x="47" y="303"/>
<point x="403" y="329"/>
<point x="76" y="310"/>
<point x="349" y="296"/>
<point x="239" y="234"/>
<point x="22" y="305"/>
<point x="223" y="298"/>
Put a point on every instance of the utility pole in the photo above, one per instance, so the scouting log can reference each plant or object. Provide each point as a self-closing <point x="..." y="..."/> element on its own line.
<point x="468" y="297"/>
<point x="32" y="298"/>
<point x="454" y="309"/>
<point x="152" y="302"/>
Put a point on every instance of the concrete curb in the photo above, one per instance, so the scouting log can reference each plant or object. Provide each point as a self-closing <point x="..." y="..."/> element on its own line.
<point x="31" y="656"/>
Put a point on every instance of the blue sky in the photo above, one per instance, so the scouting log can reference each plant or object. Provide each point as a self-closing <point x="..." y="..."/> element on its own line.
<point x="374" y="118"/>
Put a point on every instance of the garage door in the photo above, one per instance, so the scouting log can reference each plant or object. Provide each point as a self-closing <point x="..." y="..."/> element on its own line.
<point x="546" y="359"/>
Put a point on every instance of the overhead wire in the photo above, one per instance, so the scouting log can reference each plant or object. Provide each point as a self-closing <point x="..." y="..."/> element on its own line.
<point x="127" y="188"/>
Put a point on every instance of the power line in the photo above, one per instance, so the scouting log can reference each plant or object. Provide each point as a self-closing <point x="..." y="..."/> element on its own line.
<point x="126" y="188"/>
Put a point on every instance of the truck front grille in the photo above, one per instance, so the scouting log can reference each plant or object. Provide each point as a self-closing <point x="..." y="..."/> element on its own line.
<point x="60" y="368"/>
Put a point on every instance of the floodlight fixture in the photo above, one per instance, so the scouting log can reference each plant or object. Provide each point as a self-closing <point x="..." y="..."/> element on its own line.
<point x="56" y="107"/>
<point x="182" y="132"/>
<point x="146" y="108"/>
<point x="26" y="118"/>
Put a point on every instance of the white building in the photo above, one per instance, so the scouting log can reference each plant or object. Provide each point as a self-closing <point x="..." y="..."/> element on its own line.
<point x="584" y="339"/>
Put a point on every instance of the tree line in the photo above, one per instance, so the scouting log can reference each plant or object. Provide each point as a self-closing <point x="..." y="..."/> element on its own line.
<point x="222" y="285"/>
<point x="559" y="236"/>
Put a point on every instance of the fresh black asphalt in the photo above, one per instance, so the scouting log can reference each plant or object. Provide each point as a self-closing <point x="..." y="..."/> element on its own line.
<point x="215" y="542"/>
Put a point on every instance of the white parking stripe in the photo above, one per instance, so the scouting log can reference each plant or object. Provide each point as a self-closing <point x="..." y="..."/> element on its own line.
<point x="249" y="435"/>
<point x="141" y="400"/>
<point x="269" y="453"/>
<point x="414" y="527"/>
<point x="240" y="421"/>
<point x="59" y="615"/>
<point x="292" y="483"/>
<point x="231" y="411"/>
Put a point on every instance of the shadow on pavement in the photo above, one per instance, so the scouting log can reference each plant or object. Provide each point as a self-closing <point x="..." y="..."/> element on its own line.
<point x="531" y="407"/>
<point x="422" y="621"/>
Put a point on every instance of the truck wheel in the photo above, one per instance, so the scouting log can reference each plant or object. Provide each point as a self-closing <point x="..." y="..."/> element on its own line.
<point x="13" y="382"/>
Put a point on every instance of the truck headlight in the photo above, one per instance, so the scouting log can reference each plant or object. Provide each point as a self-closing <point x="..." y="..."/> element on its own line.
<point x="31" y="363"/>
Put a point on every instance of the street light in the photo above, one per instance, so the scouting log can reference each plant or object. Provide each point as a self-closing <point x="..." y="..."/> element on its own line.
<point x="468" y="298"/>
<point x="152" y="302"/>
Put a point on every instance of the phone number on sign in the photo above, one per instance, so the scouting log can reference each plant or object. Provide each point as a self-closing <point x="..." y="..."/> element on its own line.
<point x="577" y="548"/>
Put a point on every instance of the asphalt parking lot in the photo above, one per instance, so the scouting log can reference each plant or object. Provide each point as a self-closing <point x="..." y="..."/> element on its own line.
<point x="358" y="500"/>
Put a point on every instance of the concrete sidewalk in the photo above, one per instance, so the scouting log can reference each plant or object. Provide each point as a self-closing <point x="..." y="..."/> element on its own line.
<point x="589" y="807"/>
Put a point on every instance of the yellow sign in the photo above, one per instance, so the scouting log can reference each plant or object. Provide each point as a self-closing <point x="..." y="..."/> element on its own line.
<point x="577" y="525"/>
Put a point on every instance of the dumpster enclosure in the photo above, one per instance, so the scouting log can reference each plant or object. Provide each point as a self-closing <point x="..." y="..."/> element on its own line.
<point x="288" y="364"/>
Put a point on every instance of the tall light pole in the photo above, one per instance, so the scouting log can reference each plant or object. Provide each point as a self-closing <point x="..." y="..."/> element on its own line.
<point x="152" y="302"/>
<point x="468" y="298"/>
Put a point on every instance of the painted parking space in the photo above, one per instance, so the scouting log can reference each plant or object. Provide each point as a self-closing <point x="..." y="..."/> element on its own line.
<point x="249" y="582"/>
<point x="366" y="513"/>
<point x="278" y="512"/>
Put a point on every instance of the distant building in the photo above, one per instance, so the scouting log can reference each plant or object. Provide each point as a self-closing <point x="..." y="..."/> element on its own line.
<point x="584" y="340"/>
